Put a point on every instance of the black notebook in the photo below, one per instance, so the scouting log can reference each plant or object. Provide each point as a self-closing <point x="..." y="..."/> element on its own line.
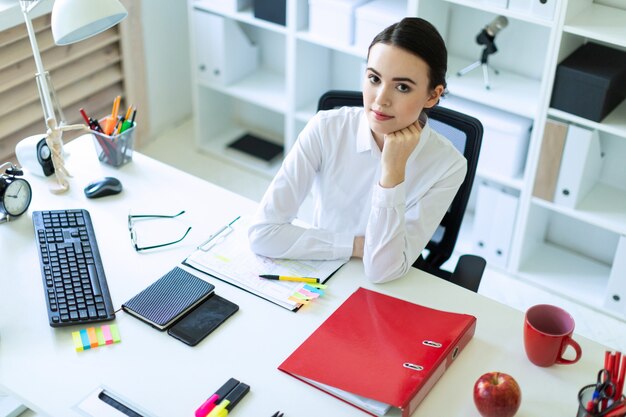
<point x="257" y="147"/>
<point x="168" y="298"/>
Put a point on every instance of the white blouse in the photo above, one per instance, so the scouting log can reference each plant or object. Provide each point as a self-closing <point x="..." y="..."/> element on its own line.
<point x="337" y="159"/>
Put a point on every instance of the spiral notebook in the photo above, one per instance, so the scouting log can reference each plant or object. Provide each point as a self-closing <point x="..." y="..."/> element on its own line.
<point x="168" y="298"/>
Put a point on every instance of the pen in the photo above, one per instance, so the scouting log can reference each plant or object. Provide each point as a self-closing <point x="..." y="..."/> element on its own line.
<point x="294" y="279"/>
<point x="126" y="123"/>
<point x="278" y="414"/>
<point x="211" y="402"/>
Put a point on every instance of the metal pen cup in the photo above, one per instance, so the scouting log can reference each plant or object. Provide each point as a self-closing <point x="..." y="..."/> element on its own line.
<point x="116" y="149"/>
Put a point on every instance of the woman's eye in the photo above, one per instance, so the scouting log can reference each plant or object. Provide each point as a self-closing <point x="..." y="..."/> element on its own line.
<point x="373" y="79"/>
<point x="403" y="88"/>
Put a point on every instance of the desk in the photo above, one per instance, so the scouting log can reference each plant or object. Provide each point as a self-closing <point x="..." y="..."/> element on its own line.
<point x="39" y="366"/>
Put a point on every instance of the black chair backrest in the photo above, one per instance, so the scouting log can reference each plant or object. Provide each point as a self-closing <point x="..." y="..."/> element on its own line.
<point x="466" y="133"/>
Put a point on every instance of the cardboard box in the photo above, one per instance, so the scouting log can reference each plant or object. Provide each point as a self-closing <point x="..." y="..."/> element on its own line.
<point x="505" y="139"/>
<point x="590" y="82"/>
<point x="333" y="19"/>
<point x="373" y="17"/>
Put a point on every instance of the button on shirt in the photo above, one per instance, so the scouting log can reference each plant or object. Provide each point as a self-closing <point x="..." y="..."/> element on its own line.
<point x="337" y="159"/>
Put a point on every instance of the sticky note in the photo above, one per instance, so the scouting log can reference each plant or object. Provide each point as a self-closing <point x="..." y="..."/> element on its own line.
<point x="85" y="339"/>
<point x="300" y="296"/>
<point x="308" y="294"/>
<point x="297" y="300"/>
<point x="93" y="340"/>
<point x="115" y="333"/>
<point x="100" y="336"/>
<point x="320" y="286"/>
<point x="106" y="333"/>
<point x="313" y="289"/>
<point x="78" y="342"/>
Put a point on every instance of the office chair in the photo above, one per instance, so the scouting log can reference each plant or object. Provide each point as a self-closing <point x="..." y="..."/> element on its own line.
<point x="466" y="133"/>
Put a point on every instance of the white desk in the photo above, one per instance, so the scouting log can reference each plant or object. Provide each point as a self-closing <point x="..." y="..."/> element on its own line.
<point x="38" y="363"/>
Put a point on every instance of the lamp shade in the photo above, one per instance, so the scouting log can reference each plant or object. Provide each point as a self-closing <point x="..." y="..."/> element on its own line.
<point x="75" y="20"/>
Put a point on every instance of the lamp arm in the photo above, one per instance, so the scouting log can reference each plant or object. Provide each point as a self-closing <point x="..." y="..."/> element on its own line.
<point x="41" y="75"/>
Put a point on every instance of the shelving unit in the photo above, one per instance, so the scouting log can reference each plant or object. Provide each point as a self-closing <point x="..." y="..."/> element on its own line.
<point x="566" y="250"/>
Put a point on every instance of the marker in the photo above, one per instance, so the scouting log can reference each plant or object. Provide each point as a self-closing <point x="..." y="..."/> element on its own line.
<point x="231" y="400"/>
<point x="294" y="279"/>
<point x="112" y="120"/>
<point x="212" y="401"/>
<point x="126" y="123"/>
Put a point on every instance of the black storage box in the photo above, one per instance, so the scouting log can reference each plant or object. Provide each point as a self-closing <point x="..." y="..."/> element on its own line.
<point x="271" y="10"/>
<point x="590" y="82"/>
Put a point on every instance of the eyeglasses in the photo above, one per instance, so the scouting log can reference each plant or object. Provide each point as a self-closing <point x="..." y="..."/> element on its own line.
<point x="133" y="234"/>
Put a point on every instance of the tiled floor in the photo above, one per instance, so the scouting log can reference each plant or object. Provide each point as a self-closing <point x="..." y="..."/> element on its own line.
<point x="495" y="284"/>
<point x="176" y="147"/>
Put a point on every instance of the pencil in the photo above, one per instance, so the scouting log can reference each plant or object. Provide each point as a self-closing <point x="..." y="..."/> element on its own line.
<point x="112" y="121"/>
<point x="294" y="279"/>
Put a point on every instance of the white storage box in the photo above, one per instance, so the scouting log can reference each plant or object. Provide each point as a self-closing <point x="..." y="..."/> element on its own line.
<point x="520" y="5"/>
<point x="224" y="54"/>
<point x="543" y="9"/>
<point x="505" y="138"/>
<point x="225" y="6"/>
<point x="333" y="19"/>
<point x="373" y="17"/>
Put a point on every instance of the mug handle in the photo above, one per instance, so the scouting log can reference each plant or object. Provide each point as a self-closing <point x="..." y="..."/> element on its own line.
<point x="579" y="352"/>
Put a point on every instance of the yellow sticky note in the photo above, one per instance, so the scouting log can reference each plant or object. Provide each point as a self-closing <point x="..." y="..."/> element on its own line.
<point x="78" y="342"/>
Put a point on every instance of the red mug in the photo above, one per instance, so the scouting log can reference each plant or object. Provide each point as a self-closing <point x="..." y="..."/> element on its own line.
<point x="547" y="334"/>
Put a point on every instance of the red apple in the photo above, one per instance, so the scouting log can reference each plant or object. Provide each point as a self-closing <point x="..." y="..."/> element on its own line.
<point x="497" y="394"/>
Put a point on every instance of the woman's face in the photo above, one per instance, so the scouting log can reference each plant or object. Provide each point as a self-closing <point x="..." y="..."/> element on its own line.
<point x="395" y="89"/>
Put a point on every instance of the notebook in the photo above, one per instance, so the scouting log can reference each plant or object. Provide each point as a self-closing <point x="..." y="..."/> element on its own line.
<point x="168" y="298"/>
<point x="227" y="256"/>
<point x="378" y="352"/>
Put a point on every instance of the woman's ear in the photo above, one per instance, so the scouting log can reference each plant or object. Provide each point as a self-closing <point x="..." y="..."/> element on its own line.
<point x="435" y="95"/>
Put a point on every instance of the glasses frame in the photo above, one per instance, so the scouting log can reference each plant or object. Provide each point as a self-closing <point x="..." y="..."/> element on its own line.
<point x="133" y="233"/>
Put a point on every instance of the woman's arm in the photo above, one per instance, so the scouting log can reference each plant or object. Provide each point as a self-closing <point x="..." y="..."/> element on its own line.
<point x="272" y="233"/>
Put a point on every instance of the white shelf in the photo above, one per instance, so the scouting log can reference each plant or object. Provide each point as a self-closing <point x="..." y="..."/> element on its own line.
<point x="614" y="123"/>
<point x="525" y="17"/>
<point x="515" y="183"/>
<point x="567" y="273"/>
<point x="263" y="88"/>
<point x="243" y="16"/>
<point x="601" y="23"/>
<point x="604" y="207"/>
<point x="218" y="146"/>
<point x="357" y="51"/>
<point x="509" y="92"/>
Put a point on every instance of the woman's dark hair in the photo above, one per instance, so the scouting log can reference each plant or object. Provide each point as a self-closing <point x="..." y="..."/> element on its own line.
<point x="420" y="38"/>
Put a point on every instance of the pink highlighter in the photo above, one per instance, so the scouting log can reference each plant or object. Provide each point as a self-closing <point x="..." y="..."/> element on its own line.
<point x="212" y="401"/>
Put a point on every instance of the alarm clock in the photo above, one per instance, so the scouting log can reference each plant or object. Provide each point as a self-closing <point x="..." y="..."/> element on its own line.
<point x="15" y="193"/>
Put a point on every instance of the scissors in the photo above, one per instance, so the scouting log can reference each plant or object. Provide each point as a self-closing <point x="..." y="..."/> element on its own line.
<point x="605" y="388"/>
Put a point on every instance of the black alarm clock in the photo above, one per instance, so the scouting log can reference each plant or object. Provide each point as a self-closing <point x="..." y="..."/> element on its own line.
<point x="15" y="193"/>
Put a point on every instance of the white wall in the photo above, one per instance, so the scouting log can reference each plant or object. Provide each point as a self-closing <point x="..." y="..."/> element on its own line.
<point x="166" y="51"/>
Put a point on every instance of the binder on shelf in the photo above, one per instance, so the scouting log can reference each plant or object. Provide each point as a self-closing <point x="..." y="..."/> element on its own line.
<point x="543" y="9"/>
<point x="406" y="346"/>
<point x="550" y="156"/>
<point x="520" y="5"/>
<point x="615" y="299"/>
<point x="227" y="55"/>
<point x="580" y="166"/>
<point x="226" y="6"/>
<point x="494" y="223"/>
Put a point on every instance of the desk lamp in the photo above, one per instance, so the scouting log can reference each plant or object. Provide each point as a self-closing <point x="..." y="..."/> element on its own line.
<point x="72" y="21"/>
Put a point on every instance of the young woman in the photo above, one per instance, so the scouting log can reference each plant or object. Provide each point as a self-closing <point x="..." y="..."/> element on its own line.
<point x="381" y="178"/>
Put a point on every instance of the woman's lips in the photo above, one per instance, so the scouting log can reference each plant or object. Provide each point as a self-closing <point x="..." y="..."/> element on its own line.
<point x="381" y="116"/>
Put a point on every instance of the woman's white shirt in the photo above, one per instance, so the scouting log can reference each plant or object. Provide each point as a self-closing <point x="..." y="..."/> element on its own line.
<point x="337" y="159"/>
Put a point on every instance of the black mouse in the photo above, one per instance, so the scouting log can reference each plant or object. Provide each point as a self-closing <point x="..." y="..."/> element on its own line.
<point x="103" y="187"/>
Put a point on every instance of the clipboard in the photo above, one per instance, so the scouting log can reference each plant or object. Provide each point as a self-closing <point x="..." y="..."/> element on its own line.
<point x="226" y="255"/>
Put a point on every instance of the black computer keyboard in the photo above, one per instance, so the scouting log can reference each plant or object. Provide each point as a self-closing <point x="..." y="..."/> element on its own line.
<point x="73" y="278"/>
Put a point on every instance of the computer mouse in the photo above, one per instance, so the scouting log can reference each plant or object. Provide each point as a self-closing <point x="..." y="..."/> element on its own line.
<point x="103" y="187"/>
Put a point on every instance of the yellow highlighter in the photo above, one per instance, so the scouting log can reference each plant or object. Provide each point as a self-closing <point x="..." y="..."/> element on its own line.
<point x="294" y="279"/>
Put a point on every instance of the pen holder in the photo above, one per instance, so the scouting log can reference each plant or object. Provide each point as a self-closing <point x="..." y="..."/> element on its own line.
<point x="115" y="149"/>
<point x="585" y="395"/>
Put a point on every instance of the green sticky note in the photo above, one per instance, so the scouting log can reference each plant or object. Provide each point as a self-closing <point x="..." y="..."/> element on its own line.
<point x="100" y="336"/>
<point x="115" y="333"/>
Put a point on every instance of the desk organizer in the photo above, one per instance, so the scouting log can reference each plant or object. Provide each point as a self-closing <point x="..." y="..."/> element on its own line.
<point x="117" y="149"/>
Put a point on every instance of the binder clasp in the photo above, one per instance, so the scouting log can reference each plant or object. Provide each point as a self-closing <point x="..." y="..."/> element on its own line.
<point x="431" y="343"/>
<point x="413" y="366"/>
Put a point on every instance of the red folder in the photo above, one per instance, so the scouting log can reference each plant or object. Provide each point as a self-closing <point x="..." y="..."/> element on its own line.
<point x="381" y="348"/>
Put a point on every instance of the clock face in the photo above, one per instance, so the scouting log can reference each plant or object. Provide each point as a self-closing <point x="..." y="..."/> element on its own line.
<point x="16" y="198"/>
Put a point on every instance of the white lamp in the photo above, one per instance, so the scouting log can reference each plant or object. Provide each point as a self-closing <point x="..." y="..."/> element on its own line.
<point x="72" y="21"/>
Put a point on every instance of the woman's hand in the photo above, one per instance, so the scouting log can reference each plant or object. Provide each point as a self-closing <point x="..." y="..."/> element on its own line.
<point x="397" y="148"/>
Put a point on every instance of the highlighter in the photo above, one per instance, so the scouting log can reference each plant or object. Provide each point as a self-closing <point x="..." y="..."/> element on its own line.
<point x="219" y="395"/>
